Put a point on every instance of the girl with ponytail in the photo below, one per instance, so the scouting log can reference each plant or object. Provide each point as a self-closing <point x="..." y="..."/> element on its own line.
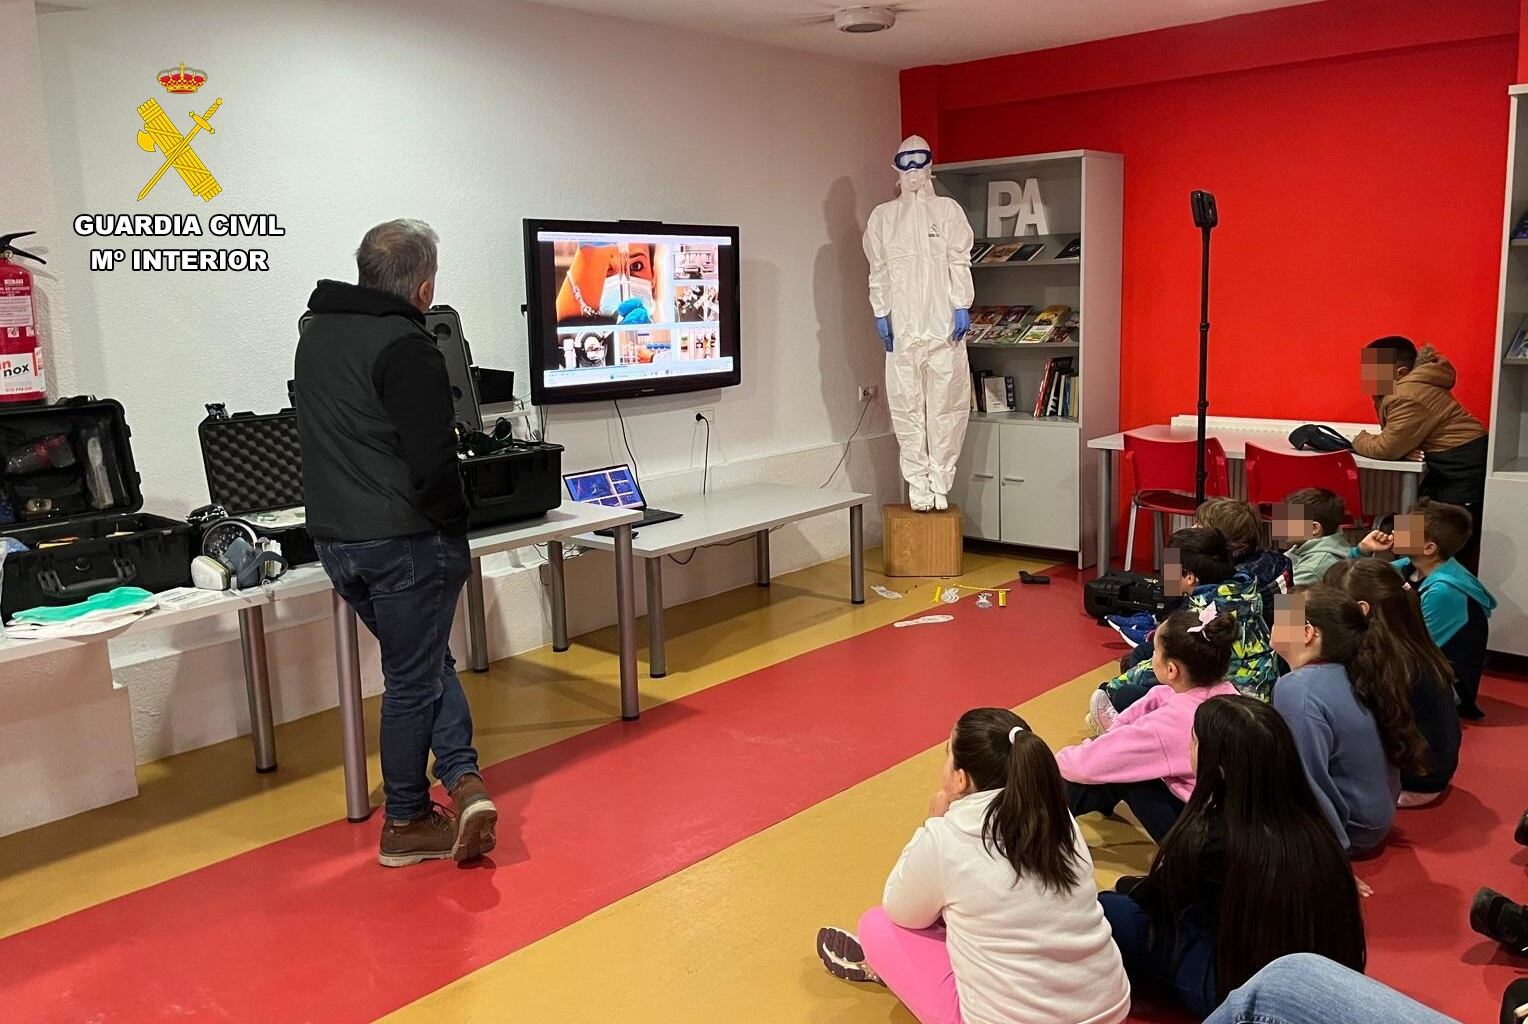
<point x="1353" y="734"/>
<point x="991" y="915"/>
<point x="1142" y="760"/>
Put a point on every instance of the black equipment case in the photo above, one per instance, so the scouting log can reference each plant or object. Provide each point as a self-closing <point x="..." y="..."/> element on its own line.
<point x="1121" y="592"/>
<point x="81" y="521"/>
<point x="254" y="470"/>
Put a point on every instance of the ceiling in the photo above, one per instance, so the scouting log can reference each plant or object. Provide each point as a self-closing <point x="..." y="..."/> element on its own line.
<point x="927" y="31"/>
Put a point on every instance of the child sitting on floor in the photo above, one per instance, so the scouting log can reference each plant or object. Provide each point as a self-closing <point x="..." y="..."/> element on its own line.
<point x="1270" y="569"/>
<point x="991" y="913"/>
<point x="1455" y="605"/>
<point x="1250" y="873"/>
<point x="1142" y="760"/>
<point x="1312" y="519"/>
<point x="1351" y="718"/>
<point x="1197" y="571"/>
<point x="1416" y="663"/>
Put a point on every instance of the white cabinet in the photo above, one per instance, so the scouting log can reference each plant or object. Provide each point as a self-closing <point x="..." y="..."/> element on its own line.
<point x="1017" y="483"/>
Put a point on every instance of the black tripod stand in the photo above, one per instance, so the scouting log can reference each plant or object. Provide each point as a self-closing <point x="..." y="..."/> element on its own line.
<point x="1206" y="216"/>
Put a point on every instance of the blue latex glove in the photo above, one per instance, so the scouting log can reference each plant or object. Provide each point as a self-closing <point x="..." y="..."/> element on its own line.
<point x="883" y="328"/>
<point x="962" y="323"/>
<point x="632" y="312"/>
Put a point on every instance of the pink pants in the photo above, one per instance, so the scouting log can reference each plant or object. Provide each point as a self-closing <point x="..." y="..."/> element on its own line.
<point x="915" y="965"/>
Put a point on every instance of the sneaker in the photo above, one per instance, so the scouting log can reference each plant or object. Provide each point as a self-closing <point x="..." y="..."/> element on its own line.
<point x="1514" y="1002"/>
<point x="1101" y="713"/>
<point x="1521" y="835"/>
<point x="1127" y="884"/>
<point x="1496" y="917"/>
<point x="1135" y="629"/>
<point x="1409" y="799"/>
<point x="431" y="837"/>
<point x="843" y="956"/>
<point x="476" y="818"/>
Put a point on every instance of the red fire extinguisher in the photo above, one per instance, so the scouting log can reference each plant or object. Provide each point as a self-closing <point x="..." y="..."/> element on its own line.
<point x="21" y="370"/>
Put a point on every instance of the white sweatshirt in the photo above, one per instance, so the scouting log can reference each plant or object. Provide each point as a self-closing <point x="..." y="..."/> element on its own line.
<point x="1021" y="954"/>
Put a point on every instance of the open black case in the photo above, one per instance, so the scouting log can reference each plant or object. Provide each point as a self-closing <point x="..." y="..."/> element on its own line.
<point x="69" y="491"/>
<point x="253" y="464"/>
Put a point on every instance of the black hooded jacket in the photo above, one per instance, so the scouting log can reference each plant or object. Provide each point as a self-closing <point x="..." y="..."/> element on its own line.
<point x="374" y="414"/>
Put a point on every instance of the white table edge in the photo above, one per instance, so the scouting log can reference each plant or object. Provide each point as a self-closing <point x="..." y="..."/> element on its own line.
<point x="1116" y="443"/>
<point x="847" y="500"/>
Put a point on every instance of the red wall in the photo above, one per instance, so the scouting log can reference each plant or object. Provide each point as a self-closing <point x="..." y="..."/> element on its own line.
<point x="1360" y="193"/>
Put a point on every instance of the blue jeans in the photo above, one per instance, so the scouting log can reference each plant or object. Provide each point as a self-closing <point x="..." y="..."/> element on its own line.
<point x="1152" y="803"/>
<point x="1181" y="965"/>
<point x="405" y="590"/>
<point x="1304" y="988"/>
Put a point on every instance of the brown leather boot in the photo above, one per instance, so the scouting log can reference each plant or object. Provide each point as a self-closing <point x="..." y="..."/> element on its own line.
<point x="476" y="818"/>
<point x="432" y="837"/>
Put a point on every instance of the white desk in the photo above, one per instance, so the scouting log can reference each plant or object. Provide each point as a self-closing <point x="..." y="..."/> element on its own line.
<point x="1233" y="432"/>
<point x="250" y="606"/>
<point x="751" y="510"/>
<point x="567" y="520"/>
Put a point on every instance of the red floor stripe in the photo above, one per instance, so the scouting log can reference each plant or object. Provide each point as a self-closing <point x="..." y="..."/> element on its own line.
<point x="310" y="928"/>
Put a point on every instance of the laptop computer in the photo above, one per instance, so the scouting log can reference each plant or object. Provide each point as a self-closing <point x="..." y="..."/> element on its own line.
<point x="615" y="486"/>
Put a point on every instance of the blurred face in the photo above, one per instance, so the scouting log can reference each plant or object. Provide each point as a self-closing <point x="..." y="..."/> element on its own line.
<point x="954" y="781"/>
<point x="1176" y="581"/>
<point x="1293" y="637"/>
<point x="1410" y="538"/>
<point x="1379" y="372"/>
<point x="1291" y="525"/>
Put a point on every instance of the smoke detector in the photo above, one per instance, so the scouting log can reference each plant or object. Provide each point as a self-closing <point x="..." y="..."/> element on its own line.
<point x="864" y="19"/>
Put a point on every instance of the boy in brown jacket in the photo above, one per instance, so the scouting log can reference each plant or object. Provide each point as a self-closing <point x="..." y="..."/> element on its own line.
<point x="1418" y="413"/>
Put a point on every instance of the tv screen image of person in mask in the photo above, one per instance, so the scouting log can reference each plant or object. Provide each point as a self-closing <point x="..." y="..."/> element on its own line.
<point x="583" y="349"/>
<point x="611" y="282"/>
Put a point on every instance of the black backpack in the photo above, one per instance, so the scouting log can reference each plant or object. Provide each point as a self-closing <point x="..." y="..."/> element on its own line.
<point x="1318" y="437"/>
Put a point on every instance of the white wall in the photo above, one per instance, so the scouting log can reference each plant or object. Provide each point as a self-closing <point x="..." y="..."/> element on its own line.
<point x="470" y="115"/>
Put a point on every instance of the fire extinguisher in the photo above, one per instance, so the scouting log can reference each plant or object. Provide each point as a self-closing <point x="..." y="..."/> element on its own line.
<point x="21" y="370"/>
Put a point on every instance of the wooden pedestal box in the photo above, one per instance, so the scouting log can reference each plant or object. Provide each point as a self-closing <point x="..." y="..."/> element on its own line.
<point x="921" y="543"/>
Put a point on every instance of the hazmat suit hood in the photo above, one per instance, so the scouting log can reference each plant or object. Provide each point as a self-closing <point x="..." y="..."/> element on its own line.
<point x="919" y="179"/>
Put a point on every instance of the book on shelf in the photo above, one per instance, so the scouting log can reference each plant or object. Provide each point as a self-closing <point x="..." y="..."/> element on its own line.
<point x="1043" y="327"/>
<point x="1010" y="325"/>
<point x="1067" y="331"/>
<point x="997" y="394"/>
<point x="1517" y="348"/>
<point x="1520" y="232"/>
<point x="979" y="390"/>
<point x="980" y="249"/>
<point x="1071" y="250"/>
<point x="983" y="319"/>
<point x="1027" y="252"/>
<point x="1000" y="253"/>
<point x="1054" y="382"/>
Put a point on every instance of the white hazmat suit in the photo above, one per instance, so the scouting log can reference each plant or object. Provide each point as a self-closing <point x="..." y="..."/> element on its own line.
<point x="919" y="248"/>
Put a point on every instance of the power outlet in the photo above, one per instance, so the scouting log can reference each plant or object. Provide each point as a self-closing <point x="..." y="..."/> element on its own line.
<point x="709" y="413"/>
<point x="869" y="392"/>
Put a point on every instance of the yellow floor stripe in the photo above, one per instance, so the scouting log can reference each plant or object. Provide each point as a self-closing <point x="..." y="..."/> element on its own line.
<point x="730" y="938"/>
<point x="207" y="805"/>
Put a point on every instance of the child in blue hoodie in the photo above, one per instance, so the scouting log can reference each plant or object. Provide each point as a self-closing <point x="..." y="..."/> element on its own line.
<point x="1455" y="605"/>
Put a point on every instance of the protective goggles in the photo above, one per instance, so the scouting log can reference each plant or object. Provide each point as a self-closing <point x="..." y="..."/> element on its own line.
<point x="912" y="159"/>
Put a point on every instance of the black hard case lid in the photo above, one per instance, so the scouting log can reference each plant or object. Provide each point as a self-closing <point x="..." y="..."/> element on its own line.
<point x="70" y="413"/>
<point x="253" y="461"/>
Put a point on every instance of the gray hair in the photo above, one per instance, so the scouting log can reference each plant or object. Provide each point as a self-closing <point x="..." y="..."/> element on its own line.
<point x="397" y="257"/>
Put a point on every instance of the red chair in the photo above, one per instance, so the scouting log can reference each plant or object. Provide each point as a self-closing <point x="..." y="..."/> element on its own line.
<point x="1272" y="475"/>
<point x="1162" y="473"/>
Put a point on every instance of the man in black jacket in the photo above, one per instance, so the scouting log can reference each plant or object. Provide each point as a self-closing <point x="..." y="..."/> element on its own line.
<point x="385" y="506"/>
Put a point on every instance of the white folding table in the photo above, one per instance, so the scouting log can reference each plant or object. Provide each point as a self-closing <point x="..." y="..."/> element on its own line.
<point x="750" y="510"/>
<point x="567" y="520"/>
<point x="1234" y="433"/>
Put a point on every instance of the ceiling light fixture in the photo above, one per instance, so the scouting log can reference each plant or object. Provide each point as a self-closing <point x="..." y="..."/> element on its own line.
<point x="864" y="19"/>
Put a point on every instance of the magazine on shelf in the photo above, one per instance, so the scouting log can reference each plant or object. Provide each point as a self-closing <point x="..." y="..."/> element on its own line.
<point x="1027" y="252"/>
<point x="1044" y="325"/>
<point x="995" y="392"/>
<point x="1067" y="331"/>
<point x="1000" y="253"/>
<point x="1011" y="325"/>
<point x="1518" y="347"/>
<point x="1072" y="250"/>
<point x="979" y="250"/>
<point x="983" y="319"/>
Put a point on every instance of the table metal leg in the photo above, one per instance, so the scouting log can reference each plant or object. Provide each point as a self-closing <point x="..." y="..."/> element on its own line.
<point x="626" y="623"/>
<point x="257" y="682"/>
<point x="657" y="660"/>
<point x="857" y="554"/>
<point x="347" y="658"/>
<point x="1105" y="511"/>
<point x="559" y="595"/>
<point x="477" y="622"/>
<point x="761" y="558"/>
<point x="1409" y="484"/>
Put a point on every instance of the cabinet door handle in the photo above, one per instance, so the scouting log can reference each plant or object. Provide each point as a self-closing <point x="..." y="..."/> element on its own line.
<point x="981" y="476"/>
<point x="1013" y="479"/>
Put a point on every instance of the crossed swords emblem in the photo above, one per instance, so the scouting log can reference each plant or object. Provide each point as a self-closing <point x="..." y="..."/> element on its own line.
<point x="160" y="132"/>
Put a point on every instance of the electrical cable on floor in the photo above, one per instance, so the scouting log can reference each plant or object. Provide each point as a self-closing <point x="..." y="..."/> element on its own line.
<point x="864" y="408"/>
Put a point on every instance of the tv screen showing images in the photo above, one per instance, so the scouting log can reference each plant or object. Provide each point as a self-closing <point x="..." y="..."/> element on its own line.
<point x="622" y="309"/>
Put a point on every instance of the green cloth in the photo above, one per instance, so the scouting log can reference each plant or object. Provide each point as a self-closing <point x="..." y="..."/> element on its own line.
<point x="121" y="599"/>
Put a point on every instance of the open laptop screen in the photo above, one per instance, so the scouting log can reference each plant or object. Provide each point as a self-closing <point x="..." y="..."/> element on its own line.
<point x="613" y="485"/>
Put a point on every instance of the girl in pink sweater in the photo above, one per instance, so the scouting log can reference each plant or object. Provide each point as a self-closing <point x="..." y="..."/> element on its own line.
<point x="1143" y="759"/>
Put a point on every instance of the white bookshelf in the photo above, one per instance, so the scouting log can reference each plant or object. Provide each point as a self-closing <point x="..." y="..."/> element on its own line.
<point x="1504" y="529"/>
<point x="1024" y="479"/>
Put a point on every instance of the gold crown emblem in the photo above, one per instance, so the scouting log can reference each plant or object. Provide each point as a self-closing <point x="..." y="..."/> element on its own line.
<point x="184" y="80"/>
